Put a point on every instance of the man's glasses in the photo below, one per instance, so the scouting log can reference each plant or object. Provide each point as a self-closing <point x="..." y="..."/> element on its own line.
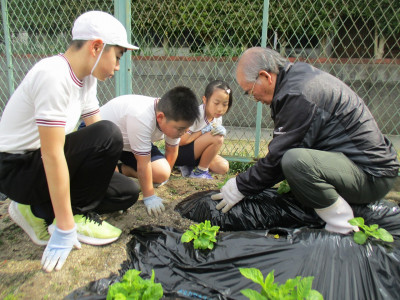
<point x="252" y="89"/>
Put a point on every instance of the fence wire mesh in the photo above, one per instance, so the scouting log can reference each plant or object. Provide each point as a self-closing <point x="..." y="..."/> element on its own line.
<point x="193" y="42"/>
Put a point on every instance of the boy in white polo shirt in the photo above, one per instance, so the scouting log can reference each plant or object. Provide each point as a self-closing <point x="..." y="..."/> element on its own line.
<point x="144" y="120"/>
<point x="48" y="170"/>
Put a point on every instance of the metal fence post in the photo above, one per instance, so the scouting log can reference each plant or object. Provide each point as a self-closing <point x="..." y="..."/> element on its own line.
<point x="123" y="79"/>
<point x="259" y="104"/>
<point x="7" y="41"/>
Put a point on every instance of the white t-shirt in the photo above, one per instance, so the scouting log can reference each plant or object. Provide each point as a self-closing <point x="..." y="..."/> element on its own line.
<point x="202" y="121"/>
<point x="49" y="95"/>
<point x="135" y="115"/>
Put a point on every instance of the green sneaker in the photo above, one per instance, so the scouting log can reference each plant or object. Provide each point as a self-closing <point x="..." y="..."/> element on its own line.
<point x="35" y="227"/>
<point x="93" y="231"/>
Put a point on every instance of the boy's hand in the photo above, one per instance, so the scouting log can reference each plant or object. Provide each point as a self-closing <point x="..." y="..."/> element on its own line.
<point x="206" y="129"/>
<point x="154" y="205"/>
<point x="219" y="130"/>
<point x="58" y="248"/>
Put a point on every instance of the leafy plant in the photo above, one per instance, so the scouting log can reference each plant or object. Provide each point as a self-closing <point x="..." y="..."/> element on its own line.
<point x="360" y="237"/>
<point x="202" y="234"/>
<point x="135" y="287"/>
<point x="298" y="288"/>
<point x="283" y="187"/>
<point x="236" y="167"/>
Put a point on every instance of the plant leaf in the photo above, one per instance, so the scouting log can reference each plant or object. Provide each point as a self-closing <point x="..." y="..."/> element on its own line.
<point x="210" y="245"/>
<point x="315" y="295"/>
<point x="202" y="235"/>
<point x="374" y="227"/>
<point x="131" y="276"/>
<point x="360" y="237"/>
<point x="195" y="228"/>
<point x="384" y="235"/>
<point x="253" y="274"/>
<point x="253" y="295"/>
<point x="115" y="289"/>
<point x="187" y="236"/>
<point x="201" y="243"/>
<point x="153" y="292"/>
<point x="373" y="233"/>
<point x="215" y="228"/>
<point x="357" y="221"/>
<point x="269" y="280"/>
<point x="304" y="287"/>
<point x="283" y="187"/>
<point x="119" y="296"/>
<point x="135" y="287"/>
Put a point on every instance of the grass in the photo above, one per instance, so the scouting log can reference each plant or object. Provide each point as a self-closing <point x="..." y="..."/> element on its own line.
<point x="234" y="148"/>
<point x="243" y="148"/>
<point x="11" y="297"/>
<point x="12" y="283"/>
<point x="236" y="167"/>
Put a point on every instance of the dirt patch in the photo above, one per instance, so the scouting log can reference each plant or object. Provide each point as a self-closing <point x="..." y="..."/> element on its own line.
<point x="20" y="271"/>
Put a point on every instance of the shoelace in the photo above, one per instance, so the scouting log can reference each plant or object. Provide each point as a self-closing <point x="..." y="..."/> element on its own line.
<point x="48" y="222"/>
<point x="197" y="171"/>
<point x="92" y="216"/>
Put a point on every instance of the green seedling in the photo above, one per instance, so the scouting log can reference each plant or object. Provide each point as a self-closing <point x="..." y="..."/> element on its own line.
<point x="283" y="187"/>
<point x="298" y="288"/>
<point x="203" y="235"/>
<point x="135" y="287"/>
<point x="360" y="237"/>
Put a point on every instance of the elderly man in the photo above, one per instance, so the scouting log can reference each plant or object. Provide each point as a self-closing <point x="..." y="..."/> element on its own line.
<point x="326" y="143"/>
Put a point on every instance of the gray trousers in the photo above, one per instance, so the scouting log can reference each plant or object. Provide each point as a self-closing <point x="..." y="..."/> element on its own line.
<point x="317" y="178"/>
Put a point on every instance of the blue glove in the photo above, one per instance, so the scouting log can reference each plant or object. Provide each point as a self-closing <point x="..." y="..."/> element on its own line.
<point x="229" y="196"/>
<point x="206" y="129"/>
<point x="220" y="130"/>
<point x="154" y="205"/>
<point x="58" y="248"/>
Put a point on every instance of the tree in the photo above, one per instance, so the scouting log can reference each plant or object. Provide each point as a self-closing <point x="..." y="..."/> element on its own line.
<point x="49" y="17"/>
<point x="381" y="19"/>
<point x="198" y="24"/>
<point x="304" y="21"/>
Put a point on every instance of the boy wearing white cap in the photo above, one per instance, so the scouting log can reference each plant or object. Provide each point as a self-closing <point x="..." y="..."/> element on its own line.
<point x="53" y="174"/>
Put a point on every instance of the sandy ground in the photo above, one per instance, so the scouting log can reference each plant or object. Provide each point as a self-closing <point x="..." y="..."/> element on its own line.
<point x="20" y="272"/>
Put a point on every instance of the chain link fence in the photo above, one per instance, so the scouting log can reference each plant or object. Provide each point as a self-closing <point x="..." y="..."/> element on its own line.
<point x="195" y="41"/>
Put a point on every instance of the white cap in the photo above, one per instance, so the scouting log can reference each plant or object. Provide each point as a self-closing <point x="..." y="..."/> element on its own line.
<point x="94" y="25"/>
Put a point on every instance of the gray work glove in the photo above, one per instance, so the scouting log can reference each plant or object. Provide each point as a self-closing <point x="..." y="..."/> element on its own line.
<point x="206" y="129"/>
<point x="219" y="130"/>
<point x="154" y="205"/>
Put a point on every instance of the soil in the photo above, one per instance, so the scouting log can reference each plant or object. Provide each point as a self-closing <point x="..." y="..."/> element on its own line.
<point x="20" y="271"/>
<point x="21" y="276"/>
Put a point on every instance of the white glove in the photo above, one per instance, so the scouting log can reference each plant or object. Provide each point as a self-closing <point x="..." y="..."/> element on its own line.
<point x="220" y="130"/>
<point x="230" y="195"/>
<point x="154" y="205"/>
<point x="206" y="129"/>
<point x="58" y="248"/>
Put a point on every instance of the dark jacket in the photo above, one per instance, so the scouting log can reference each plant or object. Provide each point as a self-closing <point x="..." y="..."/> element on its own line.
<point x="315" y="110"/>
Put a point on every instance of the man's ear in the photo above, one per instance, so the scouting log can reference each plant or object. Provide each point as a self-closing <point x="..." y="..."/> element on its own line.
<point x="266" y="74"/>
<point x="95" y="46"/>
